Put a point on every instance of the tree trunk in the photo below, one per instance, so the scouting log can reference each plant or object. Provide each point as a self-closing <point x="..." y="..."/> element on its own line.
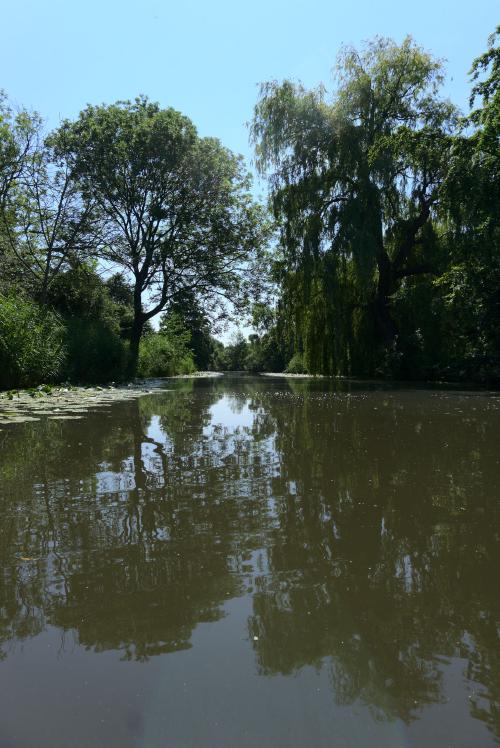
<point x="135" y="339"/>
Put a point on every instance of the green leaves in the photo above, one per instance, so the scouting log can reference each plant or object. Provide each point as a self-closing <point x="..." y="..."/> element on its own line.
<point x="357" y="178"/>
<point x="32" y="348"/>
<point x="175" y="208"/>
<point x="486" y="118"/>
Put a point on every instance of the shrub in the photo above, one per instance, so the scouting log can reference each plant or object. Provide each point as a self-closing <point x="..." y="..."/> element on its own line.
<point x="296" y="365"/>
<point x="96" y="337"/>
<point x="96" y="352"/>
<point x="164" y="356"/>
<point x="32" y="346"/>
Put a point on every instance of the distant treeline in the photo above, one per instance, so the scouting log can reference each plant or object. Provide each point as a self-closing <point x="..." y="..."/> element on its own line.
<point x="379" y="256"/>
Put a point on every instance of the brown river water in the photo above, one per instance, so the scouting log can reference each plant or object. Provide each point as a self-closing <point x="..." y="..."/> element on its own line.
<point x="247" y="561"/>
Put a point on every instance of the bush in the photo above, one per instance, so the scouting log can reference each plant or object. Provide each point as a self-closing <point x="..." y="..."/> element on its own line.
<point x="96" y="324"/>
<point x="164" y="356"/>
<point x="96" y="352"/>
<point x="296" y="365"/>
<point x="32" y="345"/>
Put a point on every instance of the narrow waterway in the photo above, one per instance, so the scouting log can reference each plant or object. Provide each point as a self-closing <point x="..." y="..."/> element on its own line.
<point x="250" y="561"/>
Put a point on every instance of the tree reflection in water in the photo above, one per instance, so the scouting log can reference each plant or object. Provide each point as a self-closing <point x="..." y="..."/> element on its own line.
<point x="374" y="516"/>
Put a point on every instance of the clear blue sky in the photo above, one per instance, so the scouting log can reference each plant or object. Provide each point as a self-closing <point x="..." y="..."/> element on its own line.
<point x="207" y="57"/>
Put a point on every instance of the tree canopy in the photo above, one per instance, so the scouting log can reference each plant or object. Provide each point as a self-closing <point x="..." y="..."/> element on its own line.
<point x="360" y="183"/>
<point x="176" y="208"/>
<point x="379" y="256"/>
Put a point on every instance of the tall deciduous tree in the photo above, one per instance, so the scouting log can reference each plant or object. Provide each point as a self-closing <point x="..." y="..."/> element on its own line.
<point x="17" y="136"/>
<point x="176" y="207"/>
<point x="53" y="227"/>
<point x="486" y="116"/>
<point x="18" y="131"/>
<point x="470" y="283"/>
<point x="356" y="177"/>
<point x="46" y="225"/>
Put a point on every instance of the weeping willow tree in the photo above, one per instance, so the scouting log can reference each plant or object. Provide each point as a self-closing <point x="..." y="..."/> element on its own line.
<point x="470" y="284"/>
<point x="355" y="178"/>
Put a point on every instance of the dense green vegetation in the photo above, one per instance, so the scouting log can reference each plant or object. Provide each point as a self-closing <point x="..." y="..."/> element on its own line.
<point x="385" y="202"/>
<point x="115" y="218"/>
<point x="388" y="206"/>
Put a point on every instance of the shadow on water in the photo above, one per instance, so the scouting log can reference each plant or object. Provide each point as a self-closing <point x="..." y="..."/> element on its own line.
<point x="360" y="524"/>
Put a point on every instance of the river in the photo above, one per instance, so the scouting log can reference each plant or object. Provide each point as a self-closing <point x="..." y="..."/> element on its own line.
<point x="253" y="561"/>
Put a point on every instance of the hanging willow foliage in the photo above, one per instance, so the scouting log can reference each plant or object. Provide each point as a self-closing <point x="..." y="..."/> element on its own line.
<point x="355" y="180"/>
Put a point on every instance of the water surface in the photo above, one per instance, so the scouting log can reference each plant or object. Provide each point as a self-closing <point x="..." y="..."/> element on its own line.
<point x="253" y="562"/>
